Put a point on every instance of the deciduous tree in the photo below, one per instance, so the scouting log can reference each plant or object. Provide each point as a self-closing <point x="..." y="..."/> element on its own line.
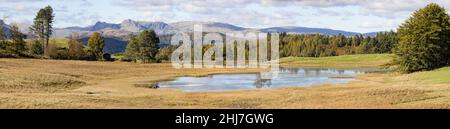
<point x="96" y="43"/>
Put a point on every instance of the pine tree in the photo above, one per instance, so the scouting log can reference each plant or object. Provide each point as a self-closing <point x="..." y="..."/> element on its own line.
<point x="144" y="47"/>
<point x="148" y="45"/>
<point x="96" y="44"/>
<point x="42" y="26"/>
<point x="424" y="40"/>
<point x="48" y="23"/>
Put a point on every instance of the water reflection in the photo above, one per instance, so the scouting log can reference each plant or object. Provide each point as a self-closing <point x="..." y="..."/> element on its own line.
<point x="261" y="83"/>
<point x="286" y="77"/>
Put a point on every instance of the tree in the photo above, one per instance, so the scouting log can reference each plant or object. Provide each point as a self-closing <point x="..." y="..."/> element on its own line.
<point x="148" y="45"/>
<point x="75" y="50"/>
<point x="165" y="53"/>
<point x="144" y="47"/>
<point x="96" y="43"/>
<point x="17" y="45"/>
<point x="132" y="49"/>
<point x="385" y="42"/>
<point x="424" y="40"/>
<point x="56" y="52"/>
<point x="42" y="26"/>
<point x="36" y="47"/>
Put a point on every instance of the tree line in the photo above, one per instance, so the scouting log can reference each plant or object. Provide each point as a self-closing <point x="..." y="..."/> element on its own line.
<point x="318" y="45"/>
<point x="15" y="44"/>
<point x="143" y="47"/>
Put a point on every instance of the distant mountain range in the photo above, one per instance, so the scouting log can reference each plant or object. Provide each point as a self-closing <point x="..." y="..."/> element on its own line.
<point x="121" y="32"/>
<point x="129" y="27"/>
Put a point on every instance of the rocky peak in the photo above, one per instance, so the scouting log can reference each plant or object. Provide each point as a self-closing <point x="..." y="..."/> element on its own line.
<point x="103" y="25"/>
<point x="130" y="25"/>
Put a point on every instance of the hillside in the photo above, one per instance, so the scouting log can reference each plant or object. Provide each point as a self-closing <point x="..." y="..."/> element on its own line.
<point x="112" y="45"/>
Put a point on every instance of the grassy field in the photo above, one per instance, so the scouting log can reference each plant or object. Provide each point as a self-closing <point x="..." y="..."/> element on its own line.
<point x="58" y="42"/>
<point x="30" y="83"/>
<point x="346" y="61"/>
<point x="441" y="75"/>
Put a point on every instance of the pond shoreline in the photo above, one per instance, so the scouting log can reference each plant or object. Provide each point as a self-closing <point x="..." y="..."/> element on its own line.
<point x="292" y="77"/>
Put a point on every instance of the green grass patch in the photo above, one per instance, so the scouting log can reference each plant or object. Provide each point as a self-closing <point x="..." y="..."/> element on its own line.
<point x="441" y="75"/>
<point x="340" y="61"/>
<point x="118" y="56"/>
<point x="59" y="42"/>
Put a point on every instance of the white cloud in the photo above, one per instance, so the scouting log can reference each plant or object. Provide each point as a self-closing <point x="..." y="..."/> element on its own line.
<point x="379" y="24"/>
<point x="252" y="13"/>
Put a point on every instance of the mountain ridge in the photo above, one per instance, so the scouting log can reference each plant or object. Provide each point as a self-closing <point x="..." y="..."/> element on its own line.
<point x="128" y="27"/>
<point x="162" y="28"/>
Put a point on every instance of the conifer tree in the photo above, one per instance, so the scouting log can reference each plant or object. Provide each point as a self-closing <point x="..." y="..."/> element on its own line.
<point x="424" y="40"/>
<point x="42" y="26"/>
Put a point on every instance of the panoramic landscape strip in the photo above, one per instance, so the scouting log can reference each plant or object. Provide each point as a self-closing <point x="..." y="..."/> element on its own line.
<point x="158" y="65"/>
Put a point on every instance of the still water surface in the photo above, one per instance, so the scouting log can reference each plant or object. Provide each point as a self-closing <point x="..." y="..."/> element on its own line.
<point x="287" y="77"/>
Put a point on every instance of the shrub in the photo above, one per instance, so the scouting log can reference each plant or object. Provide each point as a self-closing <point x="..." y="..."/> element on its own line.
<point x="164" y="54"/>
<point x="35" y="48"/>
<point x="57" y="53"/>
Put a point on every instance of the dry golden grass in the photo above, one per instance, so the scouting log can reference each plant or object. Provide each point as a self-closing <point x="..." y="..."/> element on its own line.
<point x="28" y="83"/>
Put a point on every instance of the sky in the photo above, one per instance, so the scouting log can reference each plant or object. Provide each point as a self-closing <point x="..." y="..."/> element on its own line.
<point x="349" y="15"/>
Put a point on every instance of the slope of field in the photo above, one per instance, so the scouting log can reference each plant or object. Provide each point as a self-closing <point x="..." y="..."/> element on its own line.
<point x="441" y="75"/>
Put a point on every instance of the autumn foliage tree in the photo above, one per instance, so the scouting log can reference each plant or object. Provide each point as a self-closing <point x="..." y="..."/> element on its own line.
<point x="76" y="49"/>
<point x="96" y="43"/>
